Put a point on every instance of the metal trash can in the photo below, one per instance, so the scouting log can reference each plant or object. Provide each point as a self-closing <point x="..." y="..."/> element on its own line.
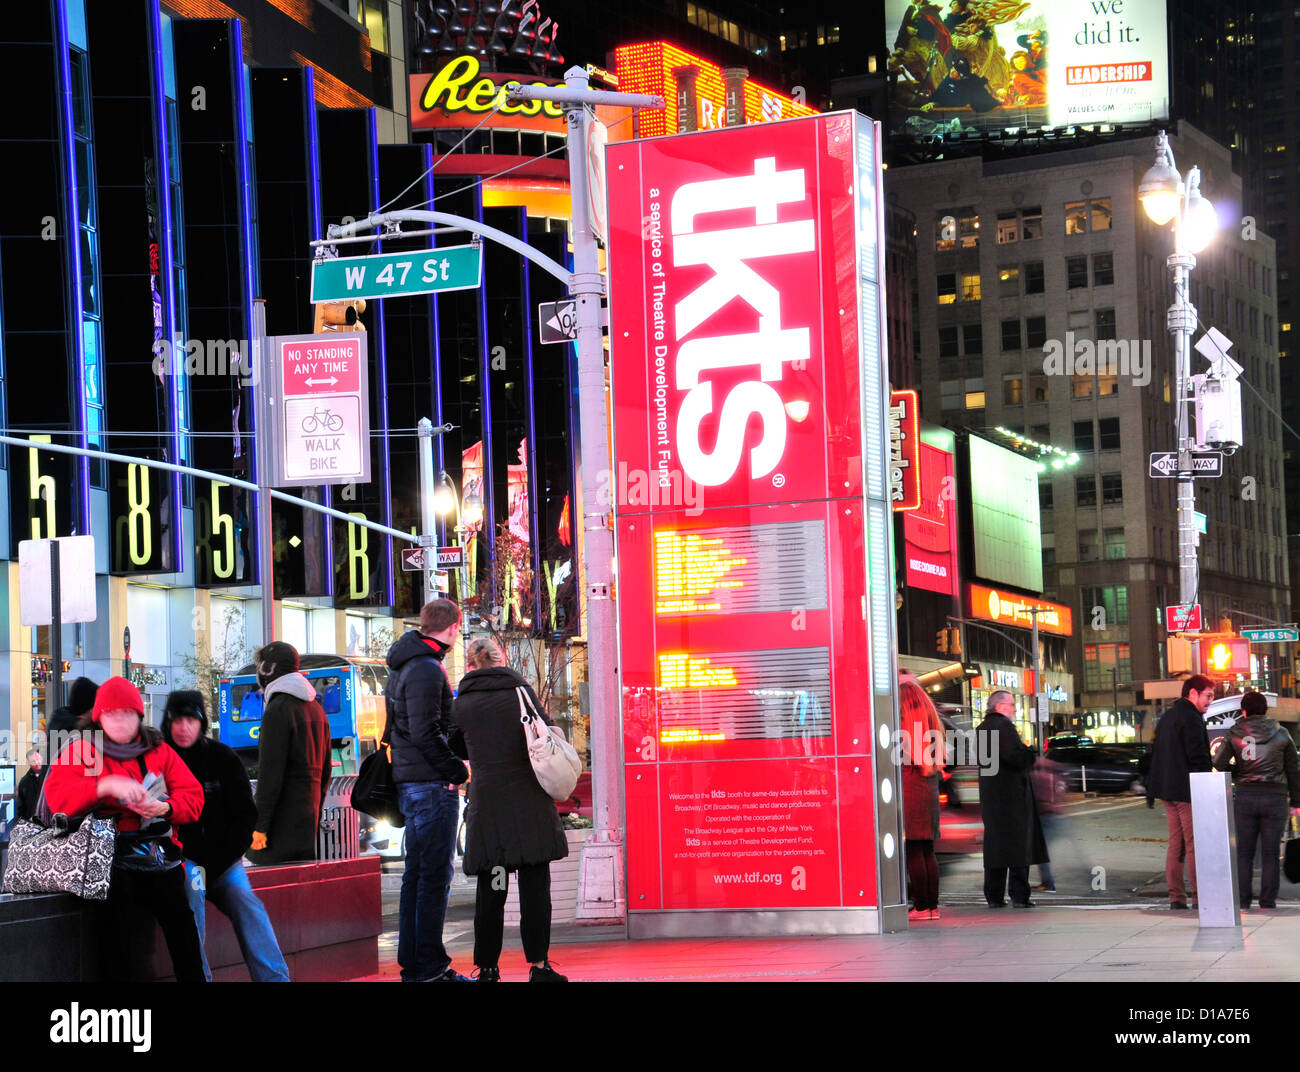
<point x="339" y="837"/>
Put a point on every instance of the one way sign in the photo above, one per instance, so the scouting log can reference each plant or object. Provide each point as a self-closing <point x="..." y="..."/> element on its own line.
<point x="557" y="321"/>
<point x="1205" y="463"/>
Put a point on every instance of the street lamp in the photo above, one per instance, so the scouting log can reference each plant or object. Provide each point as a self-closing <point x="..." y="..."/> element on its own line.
<point x="469" y="514"/>
<point x="1166" y="198"/>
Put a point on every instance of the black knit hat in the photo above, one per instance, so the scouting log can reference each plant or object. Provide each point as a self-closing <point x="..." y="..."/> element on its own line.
<point x="81" y="695"/>
<point x="184" y="703"/>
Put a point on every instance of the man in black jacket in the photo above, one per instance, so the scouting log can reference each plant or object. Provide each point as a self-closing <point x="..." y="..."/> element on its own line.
<point x="29" y="787"/>
<point x="1181" y="747"/>
<point x="214" y="845"/>
<point x="427" y="773"/>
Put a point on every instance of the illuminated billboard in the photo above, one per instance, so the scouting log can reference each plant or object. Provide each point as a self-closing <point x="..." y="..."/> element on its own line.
<point x="1010" y="608"/>
<point x="930" y="532"/>
<point x="696" y="90"/>
<point x="1004" y="516"/>
<point x="1025" y="64"/>
<point x="756" y="614"/>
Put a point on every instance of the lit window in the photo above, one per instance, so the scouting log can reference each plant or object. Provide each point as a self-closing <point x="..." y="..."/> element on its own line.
<point x="1100" y="214"/>
<point x="1076" y="218"/>
<point x="1009" y="281"/>
<point x="945" y="233"/>
<point x="975" y="400"/>
<point x="1114" y="543"/>
<point x="970" y="286"/>
<point x="1013" y="390"/>
<point x="1008" y="228"/>
<point x="947" y="287"/>
<point x="1031" y="223"/>
<point x="1082" y="386"/>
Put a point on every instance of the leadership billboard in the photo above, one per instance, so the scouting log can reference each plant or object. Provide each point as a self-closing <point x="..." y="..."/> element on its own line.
<point x="1025" y="64"/>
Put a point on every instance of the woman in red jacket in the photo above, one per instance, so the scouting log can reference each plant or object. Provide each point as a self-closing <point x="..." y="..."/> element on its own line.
<point x="107" y="770"/>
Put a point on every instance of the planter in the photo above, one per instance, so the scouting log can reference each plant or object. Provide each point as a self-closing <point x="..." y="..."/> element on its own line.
<point x="564" y="884"/>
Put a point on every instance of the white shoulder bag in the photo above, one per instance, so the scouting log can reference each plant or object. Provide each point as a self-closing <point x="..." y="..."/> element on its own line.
<point x="554" y="760"/>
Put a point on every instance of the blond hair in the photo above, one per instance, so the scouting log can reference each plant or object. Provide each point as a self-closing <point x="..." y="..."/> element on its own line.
<point x="483" y="653"/>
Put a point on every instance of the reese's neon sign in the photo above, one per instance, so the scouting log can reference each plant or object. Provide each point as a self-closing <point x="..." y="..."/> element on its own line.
<point x="462" y="94"/>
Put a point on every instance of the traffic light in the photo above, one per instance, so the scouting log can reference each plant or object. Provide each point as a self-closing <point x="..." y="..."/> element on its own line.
<point x="941" y="641"/>
<point x="1224" y="656"/>
<point x="954" y="641"/>
<point x="339" y="316"/>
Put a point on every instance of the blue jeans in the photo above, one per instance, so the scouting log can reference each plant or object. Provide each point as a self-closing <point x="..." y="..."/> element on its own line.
<point x="431" y="810"/>
<point x="231" y="893"/>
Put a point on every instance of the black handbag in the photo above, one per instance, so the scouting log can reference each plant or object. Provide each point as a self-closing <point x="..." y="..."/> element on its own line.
<point x="374" y="793"/>
<point x="149" y="849"/>
<point x="1291" y="857"/>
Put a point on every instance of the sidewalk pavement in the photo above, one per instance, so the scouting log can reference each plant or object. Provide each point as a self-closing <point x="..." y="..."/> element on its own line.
<point x="1046" y="943"/>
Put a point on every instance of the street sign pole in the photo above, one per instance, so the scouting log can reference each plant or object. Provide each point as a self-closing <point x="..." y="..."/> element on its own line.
<point x="601" y="881"/>
<point x="265" y="416"/>
<point x="54" y="692"/>
<point x="428" y="516"/>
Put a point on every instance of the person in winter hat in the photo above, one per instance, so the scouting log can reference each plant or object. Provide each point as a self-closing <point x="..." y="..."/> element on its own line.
<point x="293" y="759"/>
<point x="106" y="769"/>
<point x="1265" y="771"/>
<point x="215" y="845"/>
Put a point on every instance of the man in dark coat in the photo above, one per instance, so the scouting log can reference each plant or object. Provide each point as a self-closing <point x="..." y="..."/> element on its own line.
<point x="214" y="845"/>
<point x="293" y="759"/>
<point x="1181" y="747"/>
<point x="29" y="786"/>
<point x="1013" y="835"/>
<point x="427" y="772"/>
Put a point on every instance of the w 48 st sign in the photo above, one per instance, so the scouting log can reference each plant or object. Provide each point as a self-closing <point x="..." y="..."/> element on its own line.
<point x="1205" y="463"/>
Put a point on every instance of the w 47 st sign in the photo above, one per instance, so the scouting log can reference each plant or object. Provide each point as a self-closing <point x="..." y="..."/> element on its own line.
<point x="395" y="275"/>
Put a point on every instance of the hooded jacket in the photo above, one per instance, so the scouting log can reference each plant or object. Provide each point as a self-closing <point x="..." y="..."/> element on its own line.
<point x="1181" y="747"/>
<point x="1262" y="757"/>
<point x="224" y="830"/>
<point x="293" y="770"/>
<point x="419" y="703"/>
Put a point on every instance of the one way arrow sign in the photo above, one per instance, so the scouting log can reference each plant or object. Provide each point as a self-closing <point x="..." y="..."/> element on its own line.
<point x="1164" y="463"/>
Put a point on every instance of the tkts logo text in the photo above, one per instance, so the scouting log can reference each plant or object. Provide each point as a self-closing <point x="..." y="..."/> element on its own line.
<point x="735" y="334"/>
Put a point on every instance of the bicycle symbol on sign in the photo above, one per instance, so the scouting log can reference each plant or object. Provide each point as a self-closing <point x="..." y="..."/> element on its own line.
<point x="321" y="418"/>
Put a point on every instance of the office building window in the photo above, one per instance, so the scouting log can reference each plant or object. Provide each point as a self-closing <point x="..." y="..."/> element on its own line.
<point x="1035" y="331"/>
<point x="1083" y="437"/>
<point x="1009" y="281"/>
<point x="1103" y="269"/>
<point x="1085" y="491"/>
<point x="1112" y="489"/>
<point x="1100" y="214"/>
<point x="1034" y="277"/>
<point x="1113" y="601"/>
<point x="970" y="286"/>
<point x="1045" y="495"/>
<point x="972" y="339"/>
<point x="1105" y="666"/>
<point x="1010" y="335"/>
<point x="1013" y="390"/>
<point x="968" y="227"/>
<point x="1076" y="272"/>
<point x="1081" y="386"/>
<point x="945" y="233"/>
<point x="1105" y="324"/>
<point x="1008" y="228"/>
<point x="1089" y="549"/>
<point x="946" y="285"/>
<point x="974" y="399"/>
<point x="948" y="341"/>
<point x="1031" y="223"/>
<point x="1049" y="548"/>
<point x="1076" y="217"/>
<point x="1108" y="433"/>
<point x="1114" y="543"/>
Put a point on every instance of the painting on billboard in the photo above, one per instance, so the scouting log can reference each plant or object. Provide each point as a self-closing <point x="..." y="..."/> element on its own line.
<point x="1025" y="64"/>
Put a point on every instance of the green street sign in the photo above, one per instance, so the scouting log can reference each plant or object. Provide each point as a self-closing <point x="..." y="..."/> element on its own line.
<point x="1287" y="634"/>
<point x="396" y="275"/>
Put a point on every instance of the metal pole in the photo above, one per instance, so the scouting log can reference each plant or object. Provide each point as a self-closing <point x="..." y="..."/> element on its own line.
<point x="1114" y="686"/>
<point x="428" y="515"/>
<point x="263" y="417"/>
<point x="601" y="890"/>
<point x="54" y="688"/>
<point x="1038" y="685"/>
<point x="1182" y="322"/>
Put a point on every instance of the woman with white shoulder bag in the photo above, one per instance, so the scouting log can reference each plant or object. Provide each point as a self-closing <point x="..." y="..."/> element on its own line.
<point x="512" y="824"/>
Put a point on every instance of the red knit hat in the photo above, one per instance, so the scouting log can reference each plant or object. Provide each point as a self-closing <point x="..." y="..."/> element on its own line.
<point x="117" y="694"/>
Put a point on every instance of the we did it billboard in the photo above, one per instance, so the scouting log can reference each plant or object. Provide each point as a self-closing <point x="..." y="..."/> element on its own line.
<point x="756" y="587"/>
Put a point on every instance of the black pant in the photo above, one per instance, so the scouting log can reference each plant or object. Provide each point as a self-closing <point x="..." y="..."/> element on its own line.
<point x="534" y="914"/>
<point x="995" y="884"/>
<point x="922" y="874"/>
<point x="1261" y="818"/>
<point x="160" y="894"/>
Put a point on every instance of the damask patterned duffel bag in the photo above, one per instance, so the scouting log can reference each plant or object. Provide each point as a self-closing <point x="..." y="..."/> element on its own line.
<point x="54" y="859"/>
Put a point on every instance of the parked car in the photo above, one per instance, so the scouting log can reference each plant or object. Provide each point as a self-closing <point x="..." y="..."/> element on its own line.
<point x="1102" y="768"/>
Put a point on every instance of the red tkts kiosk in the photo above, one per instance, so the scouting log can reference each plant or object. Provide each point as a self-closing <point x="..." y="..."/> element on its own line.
<point x="754" y="531"/>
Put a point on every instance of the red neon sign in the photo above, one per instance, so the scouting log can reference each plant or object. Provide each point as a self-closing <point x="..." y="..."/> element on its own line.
<point x="930" y="532"/>
<point x="904" y="448"/>
<point x="649" y="68"/>
<point x="737" y="364"/>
